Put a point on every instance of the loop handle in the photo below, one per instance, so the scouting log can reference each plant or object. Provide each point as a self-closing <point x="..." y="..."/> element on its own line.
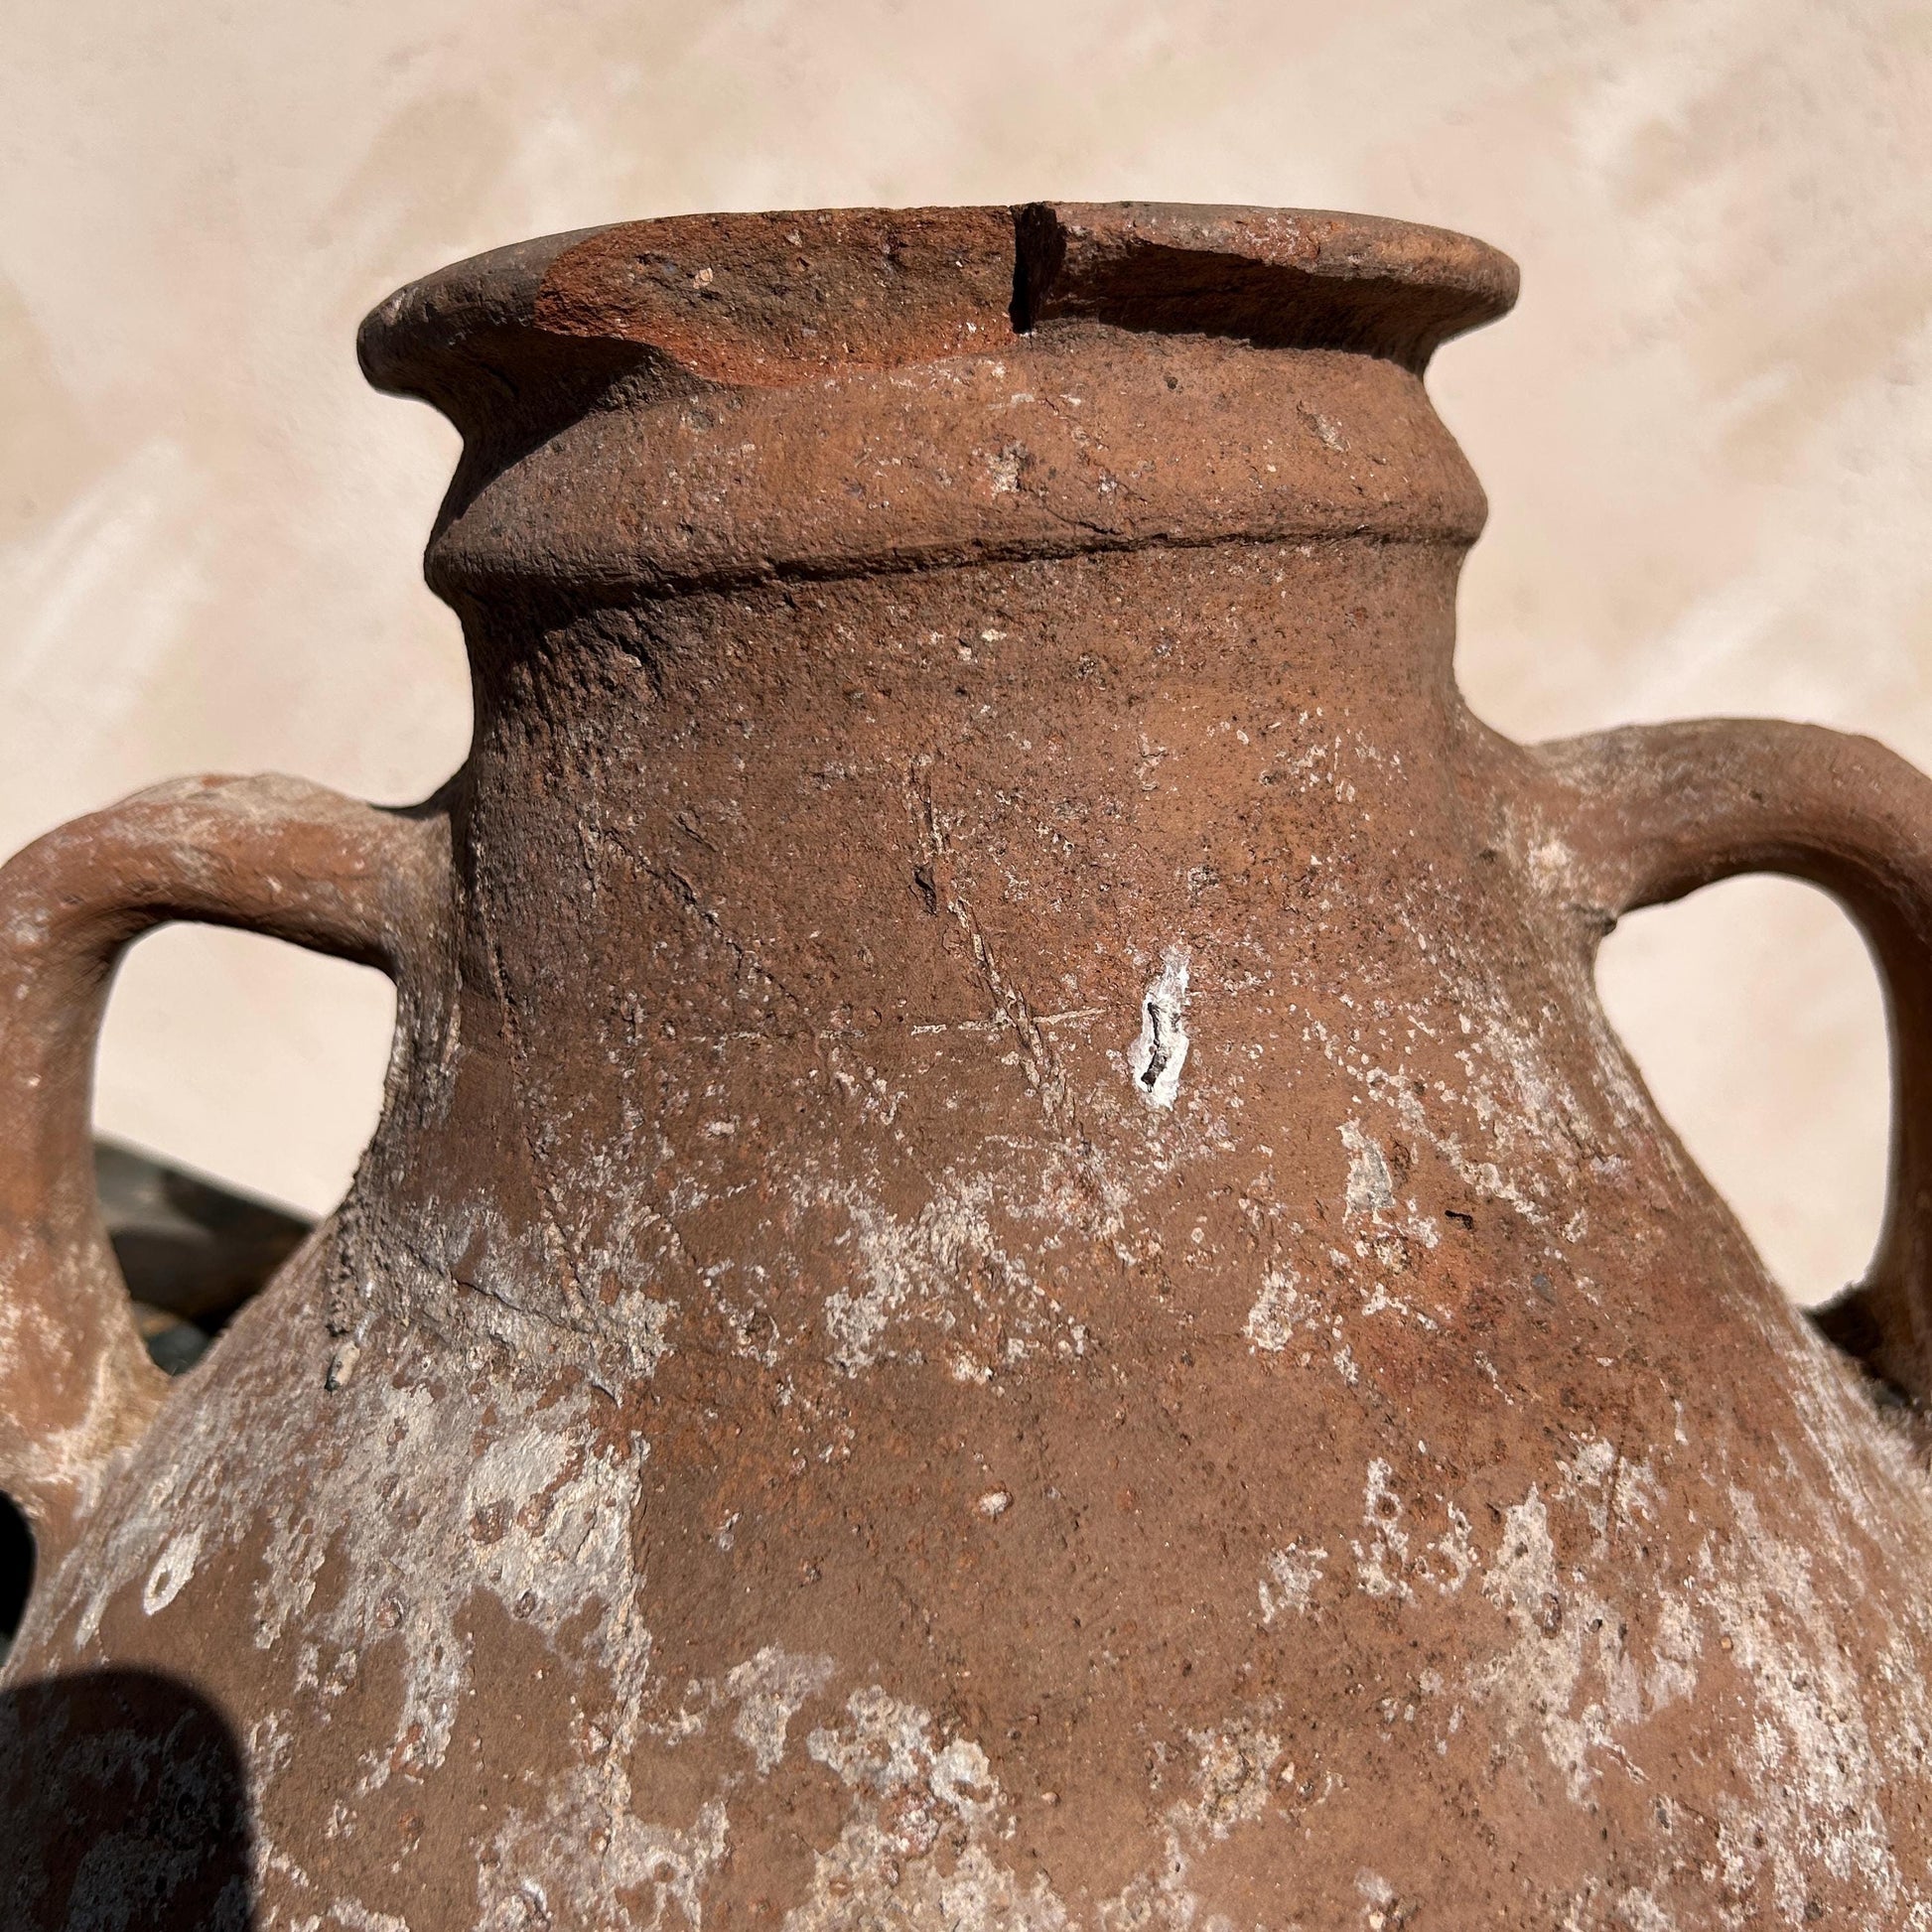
<point x="1653" y="812"/>
<point x="271" y="854"/>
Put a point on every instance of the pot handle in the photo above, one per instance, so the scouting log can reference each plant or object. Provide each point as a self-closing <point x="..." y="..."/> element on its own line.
<point x="271" y="854"/>
<point x="1652" y="812"/>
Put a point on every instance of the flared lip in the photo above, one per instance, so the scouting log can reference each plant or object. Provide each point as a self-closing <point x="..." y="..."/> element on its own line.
<point x="779" y="298"/>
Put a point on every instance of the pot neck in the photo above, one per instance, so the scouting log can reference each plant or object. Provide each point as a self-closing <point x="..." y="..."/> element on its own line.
<point x="759" y="798"/>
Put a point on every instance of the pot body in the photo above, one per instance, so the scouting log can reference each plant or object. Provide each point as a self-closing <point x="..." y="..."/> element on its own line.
<point x="1009" y="1279"/>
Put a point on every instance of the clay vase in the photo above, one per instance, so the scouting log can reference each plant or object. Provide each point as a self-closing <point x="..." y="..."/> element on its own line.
<point x="1009" y="1279"/>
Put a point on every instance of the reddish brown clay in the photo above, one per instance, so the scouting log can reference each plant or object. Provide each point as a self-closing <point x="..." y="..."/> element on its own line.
<point x="1009" y="1279"/>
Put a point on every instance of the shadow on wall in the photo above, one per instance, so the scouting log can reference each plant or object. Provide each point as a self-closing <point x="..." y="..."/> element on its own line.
<point x="122" y="1804"/>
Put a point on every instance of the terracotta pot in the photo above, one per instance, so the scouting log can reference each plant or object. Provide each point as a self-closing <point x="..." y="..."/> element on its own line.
<point x="1009" y="1279"/>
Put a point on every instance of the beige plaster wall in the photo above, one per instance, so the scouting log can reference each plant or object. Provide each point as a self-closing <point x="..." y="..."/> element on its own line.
<point x="1707" y="433"/>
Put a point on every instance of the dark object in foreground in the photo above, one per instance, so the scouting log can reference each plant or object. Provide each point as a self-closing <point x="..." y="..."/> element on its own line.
<point x="157" y="1819"/>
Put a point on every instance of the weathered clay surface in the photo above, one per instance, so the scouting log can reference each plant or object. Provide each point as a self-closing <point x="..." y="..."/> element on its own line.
<point x="1010" y="1280"/>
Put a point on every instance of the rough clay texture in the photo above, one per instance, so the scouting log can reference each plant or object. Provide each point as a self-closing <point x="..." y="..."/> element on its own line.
<point x="1010" y="1280"/>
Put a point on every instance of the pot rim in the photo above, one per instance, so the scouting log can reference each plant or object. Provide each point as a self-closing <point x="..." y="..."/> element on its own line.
<point x="780" y="299"/>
